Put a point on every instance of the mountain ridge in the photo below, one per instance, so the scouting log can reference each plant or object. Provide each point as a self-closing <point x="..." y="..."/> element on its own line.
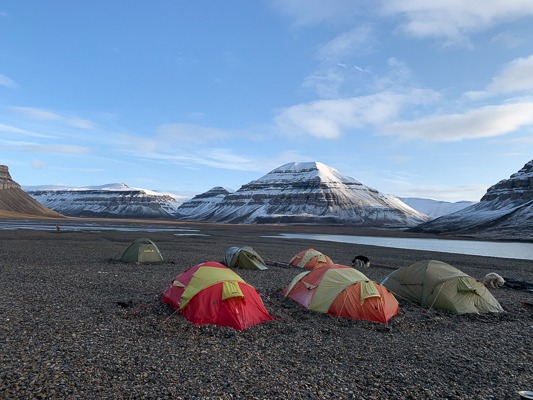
<point x="106" y="201"/>
<point x="309" y="192"/>
<point x="435" y="208"/>
<point x="15" y="203"/>
<point x="505" y="211"/>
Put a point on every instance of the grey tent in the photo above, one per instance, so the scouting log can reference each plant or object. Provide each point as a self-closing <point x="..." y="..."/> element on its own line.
<point x="142" y="251"/>
<point x="435" y="284"/>
<point x="244" y="258"/>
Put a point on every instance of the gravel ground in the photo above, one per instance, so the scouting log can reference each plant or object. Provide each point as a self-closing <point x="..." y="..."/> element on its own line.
<point x="75" y="323"/>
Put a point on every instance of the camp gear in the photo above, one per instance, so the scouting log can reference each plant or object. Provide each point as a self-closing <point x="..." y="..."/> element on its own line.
<point x="343" y="291"/>
<point x="244" y="258"/>
<point x="211" y="293"/>
<point x="142" y="251"/>
<point x="435" y="284"/>
<point x="310" y="259"/>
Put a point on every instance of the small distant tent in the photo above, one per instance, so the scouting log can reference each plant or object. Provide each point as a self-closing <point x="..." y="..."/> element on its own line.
<point x="211" y="293"/>
<point x="244" y="258"/>
<point x="436" y="284"/>
<point x="342" y="291"/>
<point x="142" y="251"/>
<point x="310" y="259"/>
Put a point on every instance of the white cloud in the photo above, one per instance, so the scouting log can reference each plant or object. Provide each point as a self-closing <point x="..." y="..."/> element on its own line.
<point x="488" y="121"/>
<point x="45" y="115"/>
<point x="516" y="77"/>
<point x="454" y="19"/>
<point x="327" y="119"/>
<point x="7" y="82"/>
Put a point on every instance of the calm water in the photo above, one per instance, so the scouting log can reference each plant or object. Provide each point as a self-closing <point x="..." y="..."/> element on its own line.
<point x="516" y="250"/>
<point x="93" y="227"/>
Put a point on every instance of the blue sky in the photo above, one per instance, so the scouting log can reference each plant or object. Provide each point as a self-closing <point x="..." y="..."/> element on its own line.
<point x="414" y="98"/>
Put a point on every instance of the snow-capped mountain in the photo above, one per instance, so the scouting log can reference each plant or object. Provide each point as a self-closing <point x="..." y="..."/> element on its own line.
<point x="14" y="202"/>
<point x="201" y="206"/>
<point x="112" y="200"/>
<point x="505" y="211"/>
<point x="435" y="208"/>
<point x="308" y="192"/>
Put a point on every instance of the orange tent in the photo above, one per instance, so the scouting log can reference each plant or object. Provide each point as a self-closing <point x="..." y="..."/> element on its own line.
<point x="211" y="293"/>
<point x="343" y="291"/>
<point x="310" y="259"/>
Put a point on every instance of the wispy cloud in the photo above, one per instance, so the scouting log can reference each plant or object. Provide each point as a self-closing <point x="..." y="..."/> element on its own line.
<point x="454" y="20"/>
<point x="23" y="132"/>
<point x="326" y="82"/>
<point x="327" y="119"/>
<point x="336" y="71"/>
<point x="451" y="20"/>
<point x="218" y="157"/>
<point x="46" y="115"/>
<point x="488" y="121"/>
<point x="347" y="44"/>
<point x="223" y="159"/>
<point x="509" y="39"/>
<point x="7" y="82"/>
<point x="30" y="147"/>
<point x="38" y="164"/>
<point x="189" y="133"/>
<point x="312" y="12"/>
<point x="516" y="77"/>
<point x="170" y="141"/>
<point x="518" y="141"/>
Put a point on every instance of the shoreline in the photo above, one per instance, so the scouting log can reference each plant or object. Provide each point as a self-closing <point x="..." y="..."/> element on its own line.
<point x="281" y="228"/>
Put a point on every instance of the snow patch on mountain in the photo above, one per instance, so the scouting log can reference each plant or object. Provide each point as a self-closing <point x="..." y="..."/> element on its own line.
<point x="309" y="192"/>
<point x="435" y="208"/>
<point x="201" y="206"/>
<point x="110" y="200"/>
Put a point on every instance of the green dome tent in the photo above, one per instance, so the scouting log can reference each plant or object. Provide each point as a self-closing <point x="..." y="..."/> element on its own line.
<point x="244" y="258"/>
<point x="142" y="251"/>
<point x="435" y="284"/>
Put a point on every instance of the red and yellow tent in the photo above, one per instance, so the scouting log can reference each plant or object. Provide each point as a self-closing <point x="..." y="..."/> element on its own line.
<point x="211" y="293"/>
<point x="343" y="291"/>
<point x="310" y="259"/>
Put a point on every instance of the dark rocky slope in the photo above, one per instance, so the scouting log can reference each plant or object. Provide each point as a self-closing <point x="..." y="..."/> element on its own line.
<point x="14" y="202"/>
<point x="505" y="211"/>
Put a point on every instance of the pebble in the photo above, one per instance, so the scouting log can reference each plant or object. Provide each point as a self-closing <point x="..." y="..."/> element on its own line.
<point x="64" y="336"/>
